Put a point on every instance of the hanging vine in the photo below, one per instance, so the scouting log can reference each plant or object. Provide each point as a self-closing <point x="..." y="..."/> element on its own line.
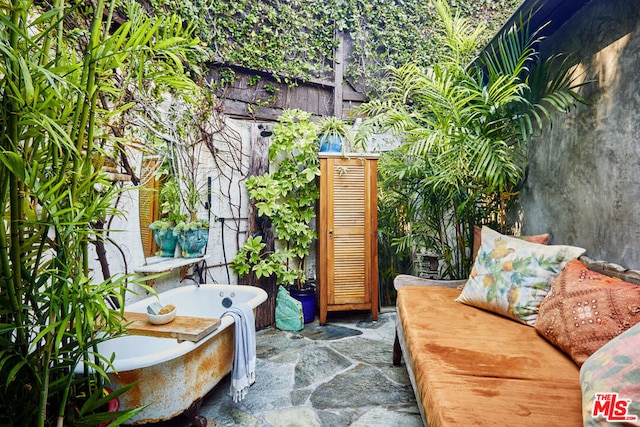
<point x="290" y="38"/>
<point x="295" y="39"/>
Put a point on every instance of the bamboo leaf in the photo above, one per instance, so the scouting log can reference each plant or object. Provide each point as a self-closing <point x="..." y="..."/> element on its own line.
<point x="14" y="162"/>
<point x="46" y="16"/>
<point x="171" y="41"/>
<point x="14" y="371"/>
<point x="28" y="83"/>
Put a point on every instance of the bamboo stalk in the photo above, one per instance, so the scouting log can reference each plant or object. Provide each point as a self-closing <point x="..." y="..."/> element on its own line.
<point x="15" y="204"/>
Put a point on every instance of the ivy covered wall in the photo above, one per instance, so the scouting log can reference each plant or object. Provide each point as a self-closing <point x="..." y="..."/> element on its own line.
<point x="295" y="41"/>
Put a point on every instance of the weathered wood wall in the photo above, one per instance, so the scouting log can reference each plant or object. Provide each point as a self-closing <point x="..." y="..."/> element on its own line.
<point x="331" y="96"/>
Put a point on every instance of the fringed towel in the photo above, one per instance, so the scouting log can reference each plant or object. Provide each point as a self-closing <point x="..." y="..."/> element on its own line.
<point x="243" y="373"/>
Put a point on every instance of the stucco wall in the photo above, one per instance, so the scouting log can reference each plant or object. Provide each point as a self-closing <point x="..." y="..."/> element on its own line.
<point x="124" y="249"/>
<point x="230" y="200"/>
<point x="583" y="181"/>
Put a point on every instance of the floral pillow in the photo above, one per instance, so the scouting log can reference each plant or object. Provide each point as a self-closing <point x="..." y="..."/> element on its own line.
<point x="610" y="380"/>
<point x="511" y="277"/>
<point x="543" y="239"/>
<point x="584" y="310"/>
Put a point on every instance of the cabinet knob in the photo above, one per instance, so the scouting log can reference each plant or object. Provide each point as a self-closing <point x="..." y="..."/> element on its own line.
<point x="331" y="234"/>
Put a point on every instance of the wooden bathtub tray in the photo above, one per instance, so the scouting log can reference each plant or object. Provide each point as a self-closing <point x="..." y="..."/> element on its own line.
<point x="183" y="328"/>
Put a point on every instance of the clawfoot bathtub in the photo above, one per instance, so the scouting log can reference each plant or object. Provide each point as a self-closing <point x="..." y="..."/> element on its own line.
<point x="174" y="376"/>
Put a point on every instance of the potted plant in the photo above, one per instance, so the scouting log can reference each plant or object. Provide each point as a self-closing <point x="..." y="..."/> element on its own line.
<point x="193" y="237"/>
<point x="192" y="232"/>
<point x="163" y="228"/>
<point x="332" y="133"/>
<point x="287" y="195"/>
<point x="184" y="185"/>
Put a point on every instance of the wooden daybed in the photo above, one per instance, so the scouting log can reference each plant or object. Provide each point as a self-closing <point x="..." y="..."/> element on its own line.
<point x="471" y="367"/>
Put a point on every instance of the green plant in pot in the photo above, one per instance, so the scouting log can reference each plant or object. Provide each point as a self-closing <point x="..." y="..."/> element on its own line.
<point x="180" y="146"/>
<point x="334" y="134"/>
<point x="170" y="216"/>
<point x="193" y="237"/>
<point x="193" y="232"/>
<point x="287" y="196"/>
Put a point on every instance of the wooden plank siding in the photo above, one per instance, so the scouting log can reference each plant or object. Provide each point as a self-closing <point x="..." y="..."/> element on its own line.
<point x="333" y="95"/>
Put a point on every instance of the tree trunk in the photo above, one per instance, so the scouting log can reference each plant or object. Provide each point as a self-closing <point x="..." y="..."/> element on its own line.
<point x="265" y="313"/>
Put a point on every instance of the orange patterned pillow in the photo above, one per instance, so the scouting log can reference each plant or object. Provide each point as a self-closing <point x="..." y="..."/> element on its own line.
<point x="543" y="239"/>
<point x="584" y="310"/>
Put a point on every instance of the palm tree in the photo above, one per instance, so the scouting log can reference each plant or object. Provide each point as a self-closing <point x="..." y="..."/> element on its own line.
<point x="464" y="123"/>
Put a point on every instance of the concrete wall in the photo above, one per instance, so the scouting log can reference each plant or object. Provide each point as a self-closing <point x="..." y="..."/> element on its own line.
<point x="583" y="182"/>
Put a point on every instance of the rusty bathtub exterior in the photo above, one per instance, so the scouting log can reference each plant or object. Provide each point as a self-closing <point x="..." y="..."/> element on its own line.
<point x="172" y="375"/>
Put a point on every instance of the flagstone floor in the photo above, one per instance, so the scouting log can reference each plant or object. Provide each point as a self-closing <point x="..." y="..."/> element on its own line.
<point x="339" y="374"/>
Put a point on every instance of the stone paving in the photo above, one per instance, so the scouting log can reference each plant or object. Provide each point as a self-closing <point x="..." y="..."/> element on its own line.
<point x="339" y="374"/>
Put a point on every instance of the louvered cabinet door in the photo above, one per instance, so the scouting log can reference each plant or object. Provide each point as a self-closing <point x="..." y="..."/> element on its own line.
<point x="347" y="234"/>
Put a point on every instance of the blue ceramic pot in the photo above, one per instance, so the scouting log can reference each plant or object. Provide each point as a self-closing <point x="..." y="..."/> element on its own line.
<point x="166" y="241"/>
<point x="307" y="296"/>
<point x="193" y="242"/>
<point x="330" y="143"/>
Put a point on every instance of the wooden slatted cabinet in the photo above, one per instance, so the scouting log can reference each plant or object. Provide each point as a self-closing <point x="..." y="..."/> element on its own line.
<point x="347" y="268"/>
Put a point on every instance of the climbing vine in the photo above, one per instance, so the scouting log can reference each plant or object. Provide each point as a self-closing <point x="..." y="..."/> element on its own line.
<point x="291" y="38"/>
<point x="295" y="39"/>
<point x="391" y="33"/>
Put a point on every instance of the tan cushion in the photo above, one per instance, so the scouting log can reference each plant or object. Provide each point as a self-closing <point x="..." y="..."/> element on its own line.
<point x="475" y="368"/>
<point x="584" y="310"/>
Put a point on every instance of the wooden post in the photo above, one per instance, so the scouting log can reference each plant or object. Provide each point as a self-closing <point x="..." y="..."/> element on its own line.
<point x="259" y="165"/>
<point x="338" y="75"/>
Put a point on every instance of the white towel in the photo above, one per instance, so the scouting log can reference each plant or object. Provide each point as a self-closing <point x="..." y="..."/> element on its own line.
<point x="243" y="373"/>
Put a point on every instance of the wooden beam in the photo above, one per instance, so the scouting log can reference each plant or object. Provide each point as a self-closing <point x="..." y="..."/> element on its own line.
<point x="338" y="75"/>
<point x="259" y="165"/>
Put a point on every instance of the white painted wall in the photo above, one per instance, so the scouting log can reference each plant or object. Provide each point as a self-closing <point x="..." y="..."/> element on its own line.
<point x="228" y="215"/>
<point x="124" y="249"/>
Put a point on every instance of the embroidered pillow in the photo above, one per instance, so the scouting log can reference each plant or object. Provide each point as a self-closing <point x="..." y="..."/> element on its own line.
<point x="610" y="380"/>
<point x="584" y="310"/>
<point x="511" y="277"/>
<point x="543" y="239"/>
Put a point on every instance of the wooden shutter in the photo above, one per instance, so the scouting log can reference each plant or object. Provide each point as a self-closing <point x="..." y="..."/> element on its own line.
<point x="148" y="207"/>
<point x="349" y="233"/>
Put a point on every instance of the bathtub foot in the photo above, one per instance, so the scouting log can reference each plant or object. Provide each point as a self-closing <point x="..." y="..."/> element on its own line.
<point x="192" y="414"/>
